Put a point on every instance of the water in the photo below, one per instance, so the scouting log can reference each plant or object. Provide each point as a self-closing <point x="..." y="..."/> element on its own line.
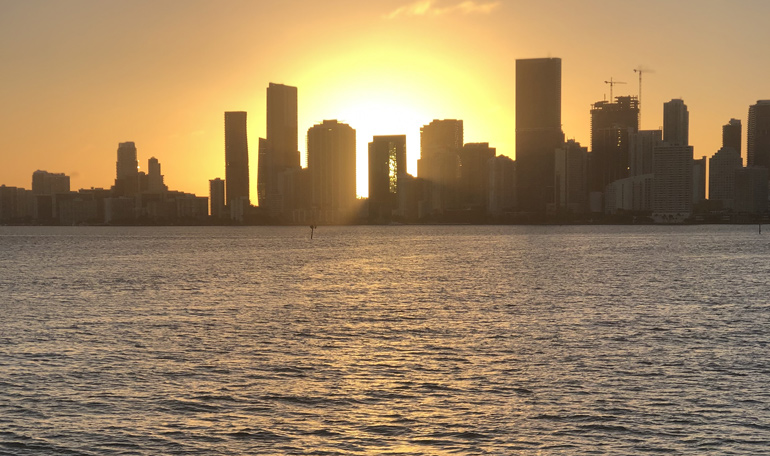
<point x="384" y="340"/>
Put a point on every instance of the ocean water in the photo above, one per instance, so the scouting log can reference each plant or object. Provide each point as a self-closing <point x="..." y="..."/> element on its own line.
<point x="430" y="340"/>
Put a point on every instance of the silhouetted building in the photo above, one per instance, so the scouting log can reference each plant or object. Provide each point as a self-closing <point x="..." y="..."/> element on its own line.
<point x="387" y="166"/>
<point x="17" y="205"/>
<point x="236" y="157"/>
<point x="217" y="198"/>
<point x="722" y="167"/>
<point x="641" y="148"/>
<point x="278" y="152"/>
<point x="612" y="124"/>
<point x="45" y="183"/>
<point x="127" y="167"/>
<point x="502" y="185"/>
<point x="731" y="135"/>
<point x="538" y="130"/>
<point x="154" y="177"/>
<point x="474" y="176"/>
<point x="571" y="177"/>
<point x="676" y="123"/>
<point x="751" y="190"/>
<point x="632" y="194"/>
<point x="439" y="163"/>
<point x="331" y="159"/>
<point x="758" y="133"/>
<point x="672" y="186"/>
<point x="698" y="180"/>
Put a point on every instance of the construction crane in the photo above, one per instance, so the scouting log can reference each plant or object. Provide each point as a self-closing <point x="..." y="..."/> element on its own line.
<point x="640" y="70"/>
<point x="612" y="84"/>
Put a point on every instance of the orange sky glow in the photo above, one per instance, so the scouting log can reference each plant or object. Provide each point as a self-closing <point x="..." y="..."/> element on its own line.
<point x="80" y="76"/>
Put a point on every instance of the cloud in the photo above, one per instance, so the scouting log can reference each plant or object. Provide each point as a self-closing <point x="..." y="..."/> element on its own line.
<point x="432" y="8"/>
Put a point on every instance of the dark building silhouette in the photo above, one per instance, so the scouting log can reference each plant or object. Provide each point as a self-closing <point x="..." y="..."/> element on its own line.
<point x="750" y="190"/>
<point x="217" y="198"/>
<point x="154" y="177"/>
<point x="612" y="125"/>
<point x="45" y="183"/>
<point x="571" y="177"/>
<point x="502" y="185"/>
<point x="127" y="170"/>
<point x="236" y="158"/>
<point x="698" y="180"/>
<point x="758" y="134"/>
<point x="732" y="136"/>
<point x="387" y="168"/>
<point x="474" y="176"/>
<point x="676" y="123"/>
<point x="538" y="130"/>
<point x="722" y="167"/>
<point x="439" y="163"/>
<point x="279" y="161"/>
<point x="331" y="159"/>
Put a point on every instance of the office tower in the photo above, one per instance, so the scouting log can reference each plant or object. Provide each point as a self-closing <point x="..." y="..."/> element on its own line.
<point x="672" y="186"/>
<point x="750" y="191"/>
<point x="154" y="177"/>
<point x="236" y="157"/>
<point x="698" y="180"/>
<point x="439" y="163"/>
<point x="127" y="180"/>
<point x="279" y="161"/>
<point x="45" y="183"/>
<point x="612" y="124"/>
<point x="502" y="185"/>
<point x="571" y="177"/>
<point x="641" y="147"/>
<point x="387" y="166"/>
<point x="217" y="198"/>
<point x="676" y="123"/>
<point x="731" y="135"/>
<point x="473" y="184"/>
<point x="722" y="167"/>
<point x="331" y="160"/>
<point x="538" y="130"/>
<point x="758" y="133"/>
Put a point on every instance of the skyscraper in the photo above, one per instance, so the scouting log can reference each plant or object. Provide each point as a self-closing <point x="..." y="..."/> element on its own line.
<point x="45" y="183"/>
<point x="154" y="177"/>
<point x="127" y="167"/>
<point x="538" y="130"/>
<point x="758" y="133"/>
<point x="439" y="163"/>
<point x="731" y="135"/>
<point x="473" y="188"/>
<point x="331" y="159"/>
<point x="612" y="125"/>
<point x="387" y="166"/>
<point x="217" y="198"/>
<point x="278" y="152"/>
<point x="722" y="167"/>
<point x="236" y="157"/>
<point x="672" y="186"/>
<point x="676" y="123"/>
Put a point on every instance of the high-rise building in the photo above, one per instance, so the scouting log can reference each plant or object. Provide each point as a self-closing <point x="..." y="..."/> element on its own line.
<point x="331" y="160"/>
<point x="279" y="161"/>
<point x="154" y="177"/>
<point x="538" y="130"/>
<point x="217" y="198"/>
<point x="571" y="177"/>
<point x="502" y="185"/>
<point x="473" y="183"/>
<point x="698" y="180"/>
<point x="387" y="166"/>
<point x="731" y="135"/>
<point x="439" y="163"/>
<point x="236" y="157"/>
<point x="641" y="147"/>
<point x="750" y="190"/>
<point x="722" y="167"/>
<point x="45" y="183"/>
<point x="127" y="180"/>
<point x="758" y="133"/>
<point x="676" y="123"/>
<point x="612" y="125"/>
<point x="672" y="185"/>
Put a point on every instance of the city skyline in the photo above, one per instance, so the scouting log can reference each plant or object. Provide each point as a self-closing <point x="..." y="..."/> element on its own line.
<point x="166" y="89"/>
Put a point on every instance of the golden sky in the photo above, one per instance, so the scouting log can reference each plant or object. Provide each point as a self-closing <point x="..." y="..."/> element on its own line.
<point x="80" y="76"/>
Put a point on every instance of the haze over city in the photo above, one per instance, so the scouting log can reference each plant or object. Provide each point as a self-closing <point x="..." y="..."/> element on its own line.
<point x="82" y="76"/>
